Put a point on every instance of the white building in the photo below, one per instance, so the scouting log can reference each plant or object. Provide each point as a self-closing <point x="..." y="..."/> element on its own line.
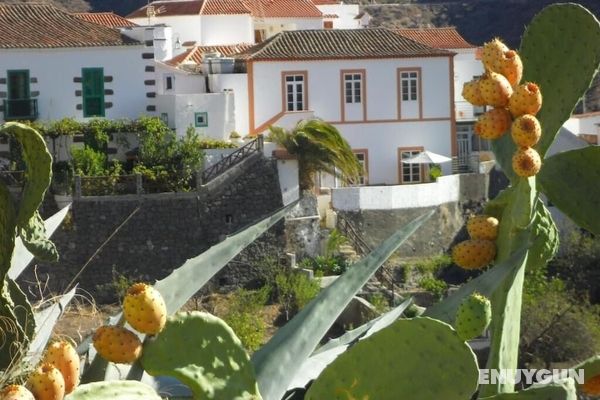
<point x="227" y="22"/>
<point x="586" y="126"/>
<point x="55" y="65"/>
<point x="338" y="15"/>
<point x="467" y="66"/>
<point x="389" y="96"/>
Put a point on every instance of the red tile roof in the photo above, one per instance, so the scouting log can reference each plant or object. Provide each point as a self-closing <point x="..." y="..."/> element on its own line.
<point x="330" y="16"/>
<point x="41" y="25"/>
<point x="326" y="2"/>
<point x="195" y="54"/>
<point x="439" y="38"/>
<point x="169" y="8"/>
<point x="257" y="8"/>
<point x="339" y="44"/>
<point x="109" y="19"/>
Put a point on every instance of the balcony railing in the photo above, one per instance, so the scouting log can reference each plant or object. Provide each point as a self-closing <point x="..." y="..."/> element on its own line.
<point x="25" y="109"/>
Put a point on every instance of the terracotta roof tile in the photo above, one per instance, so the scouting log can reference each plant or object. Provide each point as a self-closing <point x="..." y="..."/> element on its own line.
<point x="330" y="16"/>
<point x="339" y="44"/>
<point x="41" y="25"/>
<point x="195" y="54"/>
<point x="225" y="7"/>
<point x="439" y="38"/>
<point x="109" y="19"/>
<point x="283" y="8"/>
<point x="170" y="8"/>
<point x="326" y="2"/>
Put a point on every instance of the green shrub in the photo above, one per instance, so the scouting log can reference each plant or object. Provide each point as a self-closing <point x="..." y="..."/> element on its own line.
<point x="335" y="240"/>
<point x="294" y="290"/>
<point x="327" y="266"/>
<point x="207" y="143"/>
<point x="435" y="172"/>
<point x="88" y="162"/>
<point x="244" y="316"/>
<point x="435" y="286"/>
<point x="380" y="302"/>
<point x="433" y="265"/>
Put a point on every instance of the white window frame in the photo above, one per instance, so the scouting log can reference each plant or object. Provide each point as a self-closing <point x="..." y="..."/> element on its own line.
<point x="364" y="178"/>
<point x="295" y="92"/>
<point x="413" y="169"/>
<point x="353" y="87"/>
<point x="409" y="84"/>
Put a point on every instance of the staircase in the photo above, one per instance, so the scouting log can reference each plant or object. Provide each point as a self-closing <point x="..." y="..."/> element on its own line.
<point x="233" y="159"/>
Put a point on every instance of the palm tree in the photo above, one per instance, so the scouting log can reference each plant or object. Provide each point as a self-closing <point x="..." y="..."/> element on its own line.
<point x="319" y="146"/>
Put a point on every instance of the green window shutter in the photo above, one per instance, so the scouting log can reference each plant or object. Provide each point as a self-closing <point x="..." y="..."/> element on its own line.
<point x="93" y="92"/>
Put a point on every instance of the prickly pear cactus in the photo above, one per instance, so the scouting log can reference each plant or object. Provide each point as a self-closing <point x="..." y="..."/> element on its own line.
<point x="203" y="352"/>
<point x="473" y="317"/>
<point x="417" y="359"/>
<point x="114" y="390"/>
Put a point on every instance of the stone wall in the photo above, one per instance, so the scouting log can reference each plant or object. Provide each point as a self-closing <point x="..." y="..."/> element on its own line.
<point x="153" y="234"/>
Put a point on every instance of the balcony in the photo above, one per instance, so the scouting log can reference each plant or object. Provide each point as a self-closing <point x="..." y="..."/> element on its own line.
<point x="20" y="110"/>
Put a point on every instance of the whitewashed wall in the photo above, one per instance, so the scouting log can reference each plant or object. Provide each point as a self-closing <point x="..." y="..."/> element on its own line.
<point x="238" y="85"/>
<point x="55" y="70"/>
<point x="226" y="29"/>
<point x="273" y="26"/>
<point x="345" y="12"/>
<point x="184" y="82"/>
<point x="181" y="109"/>
<point x="288" y="180"/>
<point x="185" y="27"/>
<point x="445" y="190"/>
<point x="466" y="66"/>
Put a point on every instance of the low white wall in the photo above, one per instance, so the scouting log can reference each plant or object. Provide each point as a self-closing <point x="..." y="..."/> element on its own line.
<point x="213" y="156"/>
<point x="288" y="180"/>
<point x="445" y="190"/>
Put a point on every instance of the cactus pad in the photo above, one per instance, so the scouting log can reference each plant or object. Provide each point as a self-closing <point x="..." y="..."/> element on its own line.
<point x="417" y="359"/>
<point x="34" y="237"/>
<point x="473" y="316"/>
<point x="114" y="390"/>
<point x="203" y="352"/>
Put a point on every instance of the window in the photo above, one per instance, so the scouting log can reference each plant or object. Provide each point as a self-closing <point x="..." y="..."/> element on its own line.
<point x="328" y="24"/>
<point x="200" y="119"/>
<point x="259" y="35"/>
<point x="295" y="93"/>
<point x="410" y="173"/>
<point x="169" y="82"/>
<point x="93" y="92"/>
<point x="353" y="88"/>
<point x="363" y="159"/>
<point x="164" y="117"/>
<point x="409" y="85"/>
<point x="18" y="84"/>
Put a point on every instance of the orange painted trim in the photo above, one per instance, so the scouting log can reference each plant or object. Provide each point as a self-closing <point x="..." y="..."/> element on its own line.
<point x="453" y="138"/>
<point x="366" y="168"/>
<point x="265" y="125"/>
<point x="250" y="70"/>
<point x="363" y="89"/>
<point x="400" y="174"/>
<point x="284" y="92"/>
<point x="419" y="72"/>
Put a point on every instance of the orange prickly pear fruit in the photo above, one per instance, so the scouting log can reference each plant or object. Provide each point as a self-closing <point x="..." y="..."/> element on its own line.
<point x="474" y="253"/>
<point x="591" y="387"/>
<point x="145" y="309"/>
<point x="526" y="162"/>
<point x="472" y="94"/>
<point x="495" y="89"/>
<point x="493" y="123"/>
<point x="483" y="227"/>
<point x="492" y="54"/>
<point x="511" y="67"/>
<point x="16" y="392"/>
<point x="46" y="383"/>
<point x="117" y="344"/>
<point x="526" y="130"/>
<point x="63" y="356"/>
<point x="526" y="99"/>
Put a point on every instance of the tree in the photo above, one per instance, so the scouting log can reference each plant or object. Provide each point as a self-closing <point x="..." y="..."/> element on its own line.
<point x="319" y="146"/>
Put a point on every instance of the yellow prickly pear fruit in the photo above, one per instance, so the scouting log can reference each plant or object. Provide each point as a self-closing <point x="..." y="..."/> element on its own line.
<point x="495" y="89"/>
<point x="483" y="227"/>
<point x="591" y="387"/>
<point x="526" y="130"/>
<point x="511" y="67"/>
<point x="526" y="99"/>
<point x="472" y="94"/>
<point x="16" y="392"/>
<point x="526" y="162"/>
<point x="63" y="356"/>
<point x="117" y="344"/>
<point x="492" y="54"/>
<point x="145" y="309"/>
<point x="46" y="383"/>
<point x="474" y="253"/>
<point x="493" y="123"/>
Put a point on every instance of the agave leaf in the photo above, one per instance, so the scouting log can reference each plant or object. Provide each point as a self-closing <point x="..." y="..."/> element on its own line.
<point x="277" y="362"/>
<point x="45" y="320"/>
<point x="21" y="256"/>
<point x="185" y="281"/>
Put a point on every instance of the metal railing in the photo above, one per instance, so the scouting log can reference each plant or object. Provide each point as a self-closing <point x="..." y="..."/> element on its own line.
<point x="22" y="109"/>
<point x="232" y="159"/>
<point x="363" y="248"/>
